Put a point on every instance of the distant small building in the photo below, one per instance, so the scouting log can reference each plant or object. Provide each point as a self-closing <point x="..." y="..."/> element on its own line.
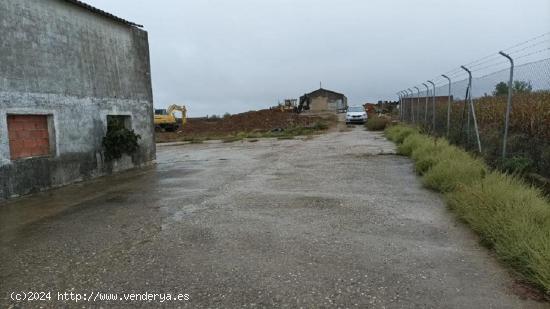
<point x="323" y="100"/>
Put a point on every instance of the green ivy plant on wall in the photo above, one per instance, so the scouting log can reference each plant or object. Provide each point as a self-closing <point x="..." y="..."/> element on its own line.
<point x="119" y="139"/>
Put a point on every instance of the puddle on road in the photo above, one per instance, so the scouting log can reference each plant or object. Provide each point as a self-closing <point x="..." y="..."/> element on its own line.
<point x="115" y="189"/>
<point x="154" y="183"/>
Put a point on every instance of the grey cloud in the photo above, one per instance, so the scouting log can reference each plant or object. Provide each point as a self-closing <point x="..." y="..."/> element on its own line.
<point x="231" y="56"/>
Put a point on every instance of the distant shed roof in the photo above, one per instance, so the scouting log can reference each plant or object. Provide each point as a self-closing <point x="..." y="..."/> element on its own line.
<point x="103" y="13"/>
<point x="322" y="91"/>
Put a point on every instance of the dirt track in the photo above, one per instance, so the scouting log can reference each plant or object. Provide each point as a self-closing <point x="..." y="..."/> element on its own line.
<point x="335" y="221"/>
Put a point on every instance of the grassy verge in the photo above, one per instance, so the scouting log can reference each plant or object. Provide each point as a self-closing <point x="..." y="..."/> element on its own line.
<point x="511" y="217"/>
<point x="377" y="123"/>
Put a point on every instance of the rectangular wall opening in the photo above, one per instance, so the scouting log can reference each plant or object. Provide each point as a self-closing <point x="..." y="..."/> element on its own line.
<point x="30" y="136"/>
<point x="117" y="122"/>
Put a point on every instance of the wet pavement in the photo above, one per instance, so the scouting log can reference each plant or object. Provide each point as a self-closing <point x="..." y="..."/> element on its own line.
<point x="333" y="221"/>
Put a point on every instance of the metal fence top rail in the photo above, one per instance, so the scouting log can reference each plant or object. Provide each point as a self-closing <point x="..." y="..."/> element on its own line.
<point x="529" y="51"/>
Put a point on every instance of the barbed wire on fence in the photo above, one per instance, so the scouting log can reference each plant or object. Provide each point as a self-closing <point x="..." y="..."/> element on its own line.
<point x="523" y="137"/>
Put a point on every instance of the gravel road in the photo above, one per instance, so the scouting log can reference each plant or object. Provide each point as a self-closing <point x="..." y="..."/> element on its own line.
<point x="333" y="221"/>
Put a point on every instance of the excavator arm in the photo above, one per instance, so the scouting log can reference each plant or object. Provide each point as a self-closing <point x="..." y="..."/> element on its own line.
<point x="174" y="108"/>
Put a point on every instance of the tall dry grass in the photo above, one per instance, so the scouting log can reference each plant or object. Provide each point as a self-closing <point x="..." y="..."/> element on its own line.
<point x="511" y="217"/>
<point x="529" y="130"/>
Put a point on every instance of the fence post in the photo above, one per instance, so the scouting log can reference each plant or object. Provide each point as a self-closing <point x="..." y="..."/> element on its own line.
<point x="404" y="109"/>
<point x="409" y="107"/>
<point x="405" y="105"/>
<point x="471" y="103"/>
<point x="412" y="105"/>
<point x="417" y="102"/>
<point x="448" y="105"/>
<point x="399" y="103"/>
<point x="402" y="105"/>
<point x="426" y="105"/>
<point x="508" y="103"/>
<point x="433" y="106"/>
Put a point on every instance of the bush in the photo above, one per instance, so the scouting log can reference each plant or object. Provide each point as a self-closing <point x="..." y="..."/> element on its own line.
<point x="120" y="141"/>
<point x="444" y="166"/>
<point x="451" y="171"/>
<point x="428" y="154"/>
<point x="398" y="133"/>
<point x="213" y="118"/>
<point x="517" y="165"/>
<point x="377" y="123"/>
<point x="412" y="142"/>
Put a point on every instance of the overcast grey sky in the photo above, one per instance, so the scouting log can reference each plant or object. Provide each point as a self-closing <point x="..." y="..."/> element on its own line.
<point x="232" y="56"/>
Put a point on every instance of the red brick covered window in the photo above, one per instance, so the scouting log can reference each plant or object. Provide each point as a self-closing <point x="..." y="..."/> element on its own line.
<point x="29" y="136"/>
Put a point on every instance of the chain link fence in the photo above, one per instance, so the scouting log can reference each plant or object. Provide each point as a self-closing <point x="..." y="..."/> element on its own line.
<point x="471" y="110"/>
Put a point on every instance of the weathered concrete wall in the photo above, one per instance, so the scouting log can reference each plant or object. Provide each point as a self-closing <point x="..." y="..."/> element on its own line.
<point x="63" y="60"/>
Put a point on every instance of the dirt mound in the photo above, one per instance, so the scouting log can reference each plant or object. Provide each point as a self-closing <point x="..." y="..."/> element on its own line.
<point x="261" y="120"/>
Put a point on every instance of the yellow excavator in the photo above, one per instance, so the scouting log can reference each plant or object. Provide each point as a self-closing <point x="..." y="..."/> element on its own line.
<point x="165" y="119"/>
